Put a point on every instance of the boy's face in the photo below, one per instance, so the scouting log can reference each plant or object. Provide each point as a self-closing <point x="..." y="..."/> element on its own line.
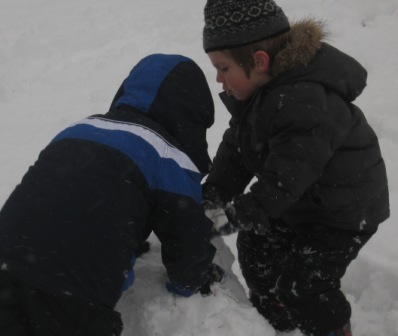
<point x="233" y="78"/>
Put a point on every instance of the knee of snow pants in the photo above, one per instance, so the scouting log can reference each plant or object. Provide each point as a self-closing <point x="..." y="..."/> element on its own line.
<point x="12" y="317"/>
<point x="261" y="259"/>
<point x="28" y="311"/>
<point x="309" y="285"/>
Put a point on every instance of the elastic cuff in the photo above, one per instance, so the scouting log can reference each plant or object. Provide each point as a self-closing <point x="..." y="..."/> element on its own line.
<point x="179" y="289"/>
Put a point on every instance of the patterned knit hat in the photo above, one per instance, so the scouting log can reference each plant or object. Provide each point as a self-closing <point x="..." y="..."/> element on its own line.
<point x="231" y="23"/>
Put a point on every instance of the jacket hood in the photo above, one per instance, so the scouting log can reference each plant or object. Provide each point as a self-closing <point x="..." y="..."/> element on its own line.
<point x="172" y="90"/>
<point x="307" y="58"/>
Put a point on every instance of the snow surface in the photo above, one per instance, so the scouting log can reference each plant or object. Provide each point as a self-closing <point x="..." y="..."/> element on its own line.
<point x="63" y="60"/>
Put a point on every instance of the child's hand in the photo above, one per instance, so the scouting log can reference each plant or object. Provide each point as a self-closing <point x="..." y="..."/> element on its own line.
<point x="185" y="291"/>
<point x="247" y="214"/>
<point x="212" y="197"/>
<point x="215" y="274"/>
<point x="214" y="205"/>
<point x="221" y="225"/>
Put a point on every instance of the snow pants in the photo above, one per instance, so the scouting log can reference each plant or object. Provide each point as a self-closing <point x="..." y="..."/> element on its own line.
<point x="27" y="311"/>
<point x="294" y="275"/>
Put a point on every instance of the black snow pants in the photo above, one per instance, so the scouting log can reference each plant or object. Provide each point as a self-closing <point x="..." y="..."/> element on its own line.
<point x="294" y="275"/>
<point x="27" y="311"/>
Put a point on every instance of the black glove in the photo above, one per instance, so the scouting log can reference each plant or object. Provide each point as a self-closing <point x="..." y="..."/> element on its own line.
<point x="245" y="213"/>
<point x="215" y="274"/>
<point x="213" y="197"/>
<point x="221" y="224"/>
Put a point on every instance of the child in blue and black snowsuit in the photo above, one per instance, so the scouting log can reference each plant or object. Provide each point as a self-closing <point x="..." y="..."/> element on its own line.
<point x="69" y="230"/>
<point x="320" y="186"/>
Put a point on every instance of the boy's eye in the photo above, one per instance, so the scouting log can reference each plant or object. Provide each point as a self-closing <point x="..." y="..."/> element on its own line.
<point x="223" y="69"/>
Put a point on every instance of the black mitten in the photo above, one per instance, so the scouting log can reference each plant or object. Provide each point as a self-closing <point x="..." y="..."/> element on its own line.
<point x="245" y="213"/>
<point x="213" y="197"/>
<point x="216" y="274"/>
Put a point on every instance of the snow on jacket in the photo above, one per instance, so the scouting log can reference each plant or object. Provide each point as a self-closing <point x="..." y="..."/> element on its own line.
<point x="315" y="157"/>
<point x="106" y="182"/>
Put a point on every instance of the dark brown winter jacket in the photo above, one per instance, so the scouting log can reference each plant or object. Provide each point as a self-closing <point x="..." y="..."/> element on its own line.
<point x="315" y="158"/>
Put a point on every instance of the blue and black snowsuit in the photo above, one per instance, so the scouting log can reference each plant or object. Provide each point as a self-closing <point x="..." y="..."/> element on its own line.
<point x="102" y="185"/>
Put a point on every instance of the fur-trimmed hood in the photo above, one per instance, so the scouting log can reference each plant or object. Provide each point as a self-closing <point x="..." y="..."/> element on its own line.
<point x="307" y="58"/>
<point x="304" y="42"/>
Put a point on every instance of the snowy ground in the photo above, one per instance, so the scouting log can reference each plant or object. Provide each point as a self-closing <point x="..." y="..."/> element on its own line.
<point x="63" y="60"/>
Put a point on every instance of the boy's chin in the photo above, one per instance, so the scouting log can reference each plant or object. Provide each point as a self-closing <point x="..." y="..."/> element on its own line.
<point x="230" y="94"/>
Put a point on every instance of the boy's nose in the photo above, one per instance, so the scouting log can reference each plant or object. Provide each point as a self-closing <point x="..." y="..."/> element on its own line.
<point x="219" y="78"/>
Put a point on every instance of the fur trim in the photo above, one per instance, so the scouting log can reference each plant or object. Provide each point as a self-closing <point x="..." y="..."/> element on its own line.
<point x="304" y="39"/>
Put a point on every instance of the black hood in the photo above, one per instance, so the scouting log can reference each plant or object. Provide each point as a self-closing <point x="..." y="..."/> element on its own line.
<point x="307" y="58"/>
<point x="334" y="70"/>
<point x="172" y="90"/>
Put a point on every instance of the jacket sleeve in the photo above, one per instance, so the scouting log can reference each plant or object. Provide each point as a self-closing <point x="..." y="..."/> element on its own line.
<point x="229" y="175"/>
<point x="184" y="232"/>
<point x="303" y="138"/>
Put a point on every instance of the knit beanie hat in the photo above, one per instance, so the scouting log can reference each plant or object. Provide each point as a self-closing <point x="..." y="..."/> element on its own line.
<point x="231" y="23"/>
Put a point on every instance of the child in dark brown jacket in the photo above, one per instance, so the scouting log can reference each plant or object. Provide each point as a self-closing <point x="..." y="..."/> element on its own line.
<point x="320" y="188"/>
